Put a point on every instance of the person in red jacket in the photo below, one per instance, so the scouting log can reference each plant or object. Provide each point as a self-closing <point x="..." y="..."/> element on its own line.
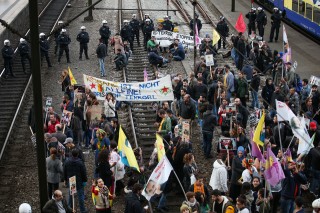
<point x="51" y="128"/>
<point x="102" y="197"/>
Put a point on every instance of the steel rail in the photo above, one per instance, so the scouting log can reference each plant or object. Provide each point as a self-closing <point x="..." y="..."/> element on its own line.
<point x="28" y="84"/>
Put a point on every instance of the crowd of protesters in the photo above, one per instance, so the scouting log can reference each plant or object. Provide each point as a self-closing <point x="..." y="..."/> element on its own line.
<point x="211" y="96"/>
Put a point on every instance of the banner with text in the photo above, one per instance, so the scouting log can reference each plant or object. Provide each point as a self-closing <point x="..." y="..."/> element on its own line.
<point x="164" y="38"/>
<point x="155" y="90"/>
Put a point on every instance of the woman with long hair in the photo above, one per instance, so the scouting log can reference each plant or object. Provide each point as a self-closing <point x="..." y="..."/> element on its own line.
<point x="54" y="170"/>
<point x="103" y="168"/>
<point x="110" y="106"/>
<point x="189" y="169"/>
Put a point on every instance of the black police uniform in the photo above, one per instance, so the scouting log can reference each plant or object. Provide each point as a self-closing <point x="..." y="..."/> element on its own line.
<point x="64" y="41"/>
<point x="199" y="25"/>
<point x="105" y="35"/>
<point x="127" y="34"/>
<point x="24" y="51"/>
<point x="83" y="39"/>
<point x="56" y="35"/>
<point x="44" y="50"/>
<point x="261" y="22"/>
<point x="223" y="30"/>
<point x="251" y="16"/>
<point x="135" y="25"/>
<point x="7" y="54"/>
<point x="147" y="30"/>
<point x="275" y="25"/>
<point x="167" y="25"/>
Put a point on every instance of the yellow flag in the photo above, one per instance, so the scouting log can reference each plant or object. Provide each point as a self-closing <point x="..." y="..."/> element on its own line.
<point x="160" y="147"/>
<point x="72" y="79"/>
<point x="124" y="147"/>
<point x="215" y="37"/>
<point x="258" y="131"/>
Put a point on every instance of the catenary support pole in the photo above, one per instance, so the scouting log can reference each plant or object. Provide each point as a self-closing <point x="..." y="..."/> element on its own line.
<point x="194" y="3"/>
<point x="233" y="5"/>
<point x="37" y="98"/>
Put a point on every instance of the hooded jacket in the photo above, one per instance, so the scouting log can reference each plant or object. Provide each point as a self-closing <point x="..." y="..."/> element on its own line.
<point x="227" y="206"/>
<point x="133" y="204"/>
<point x="267" y="92"/>
<point x="75" y="167"/>
<point x="219" y="176"/>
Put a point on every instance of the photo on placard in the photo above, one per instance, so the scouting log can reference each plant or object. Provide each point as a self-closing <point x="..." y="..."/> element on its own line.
<point x="66" y="117"/>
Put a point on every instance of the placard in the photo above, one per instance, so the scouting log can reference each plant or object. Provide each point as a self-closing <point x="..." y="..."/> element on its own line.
<point x="209" y="60"/>
<point x="230" y="143"/>
<point x="73" y="185"/>
<point x="314" y="80"/>
<point x="185" y="131"/>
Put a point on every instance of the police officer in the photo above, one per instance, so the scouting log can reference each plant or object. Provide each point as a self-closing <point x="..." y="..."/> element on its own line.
<point x="223" y="30"/>
<point x="44" y="48"/>
<point x="251" y="16"/>
<point x="24" y="51"/>
<point x="167" y="24"/>
<point x="83" y="39"/>
<point x="64" y="41"/>
<point x="198" y="22"/>
<point x="275" y="24"/>
<point x="135" y="25"/>
<point x="105" y="33"/>
<point x="146" y="16"/>
<point x="261" y="21"/>
<point x="147" y="30"/>
<point x="127" y="33"/>
<point x="56" y="35"/>
<point x="7" y="54"/>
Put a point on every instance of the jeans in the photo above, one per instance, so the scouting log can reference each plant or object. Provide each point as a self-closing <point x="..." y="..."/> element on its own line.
<point x="255" y="101"/>
<point x="315" y="181"/>
<point x="101" y="64"/>
<point x="80" y="194"/>
<point x="177" y="58"/>
<point x="162" y="201"/>
<point x="287" y="205"/>
<point x="87" y="137"/>
<point x="207" y="142"/>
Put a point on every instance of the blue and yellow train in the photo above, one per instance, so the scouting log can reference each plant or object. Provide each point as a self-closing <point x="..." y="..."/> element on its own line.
<point x="303" y="13"/>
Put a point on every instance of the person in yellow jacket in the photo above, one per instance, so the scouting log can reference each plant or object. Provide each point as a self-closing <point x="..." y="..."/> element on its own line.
<point x="221" y="204"/>
<point x="101" y="196"/>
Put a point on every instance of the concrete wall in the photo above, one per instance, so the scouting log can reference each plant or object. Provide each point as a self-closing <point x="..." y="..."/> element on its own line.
<point x="18" y="18"/>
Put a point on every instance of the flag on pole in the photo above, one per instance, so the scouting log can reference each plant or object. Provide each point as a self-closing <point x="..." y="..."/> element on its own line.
<point x="241" y="25"/>
<point x="145" y="75"/>
<point x="215" y="37"/>
<point x="198" y="40"/>
<point x="158" y="178"/>
<point x="126" y="153"/>
<point x="273" y="171"/>
<point x="72" y="79"/>
<point x="305" y="146"/>
<point x="160" y="147"/>
<point x="255" y="149"/>
<point x="287" y="156"/>
<point x="286" y="48"/>
<point x="285" y="37"/>
<point x="258" y="131"/>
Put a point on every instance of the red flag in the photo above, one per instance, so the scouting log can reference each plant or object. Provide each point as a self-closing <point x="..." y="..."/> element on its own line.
<point x="240" y="25"/>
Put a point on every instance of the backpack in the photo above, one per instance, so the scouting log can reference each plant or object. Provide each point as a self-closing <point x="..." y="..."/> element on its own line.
<point x="297" y="83"/>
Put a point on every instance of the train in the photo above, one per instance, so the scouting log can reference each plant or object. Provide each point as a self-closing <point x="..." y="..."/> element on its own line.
<point x="303" y="13"/>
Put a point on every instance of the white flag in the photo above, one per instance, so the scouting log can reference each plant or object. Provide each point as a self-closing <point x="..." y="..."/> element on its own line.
<point x="284" y="113"/>
<point x="285" y="37"/>
<point x="158" y="178"/>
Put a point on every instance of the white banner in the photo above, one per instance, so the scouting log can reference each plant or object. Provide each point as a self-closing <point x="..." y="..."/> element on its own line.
<point x="164" y="38"/>
<point x="158" y="178"/>
<point x="155" y="90"/>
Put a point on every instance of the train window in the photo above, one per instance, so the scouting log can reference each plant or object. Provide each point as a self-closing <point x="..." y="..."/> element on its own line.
<point x="301" y="7"/>
<point x="309" y="11"/>
<point x="316" y="15"/>
<point x="295" y="5"/>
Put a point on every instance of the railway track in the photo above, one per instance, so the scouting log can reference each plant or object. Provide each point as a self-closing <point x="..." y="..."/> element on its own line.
<point x="15" y="102"/>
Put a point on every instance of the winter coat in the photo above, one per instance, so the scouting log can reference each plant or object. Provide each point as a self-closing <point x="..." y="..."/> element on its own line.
<point x="187" y="111"/>
<point x="276" y="19"/>
<point x="83" y="37"/>
<point x="255" y="82"/>
<point x="117" y="42"/>
<point x="166" y="126"/>
<point x="219" y="176"/>
<point x="227" y="206"/>
<point x="109" y="108"/>
<point x="105" y="173"/>
<point x="52" y="207"/>
<point x="209" y="122"/>
<point x="7" y="52"/>
<point x="242" y="88"/>
<point x="104" y="32"/>
<point x="24" y="49"/>
<point x="101" y="50"/>
<point x="54" y="170"/>
<point x="75" y="167"/>
<point x="199" y="90"/>
<point x="237" y="170"/>
<point x="291" y="184"/>
<point x="126" y="33"/>
<point x="64" y="40"/>
<point x="294" y="102"/>
<point x="267" y="92"/>
<point x="133" y="204"/>
<point x="101" y="197"/>
<point x="223" y="28"/>
<point x="135" y="25"/>
<point x="198" y="22"/>
<point x="167" y="25"/>
<point x="230" y="82"/>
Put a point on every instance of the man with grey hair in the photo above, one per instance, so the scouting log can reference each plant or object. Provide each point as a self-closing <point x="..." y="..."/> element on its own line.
<point x="57" y="204"/>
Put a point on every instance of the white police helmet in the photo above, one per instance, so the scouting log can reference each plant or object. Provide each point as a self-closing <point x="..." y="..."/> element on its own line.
<point x="147" y="20"/>
<point x="134" y="15"/>
<point x="221" y="18"/>
<point x="63" y="31"/>
<point x="125" y="21"/>
<point x="22" y="40"/>
<point x="83" y="28"/>
<point x="166" y="17"/>
<point x="41" y="35"/>
<point x="104" y="22"/>
<point x="253" y="9"/>
<point x="6" y="42"/>
<point x="316" y="203"/>
<point x="275" y="8"/>
<point x="60" y="22"/>
<point x="25" y="208"/>
<point x="259" y="8"/>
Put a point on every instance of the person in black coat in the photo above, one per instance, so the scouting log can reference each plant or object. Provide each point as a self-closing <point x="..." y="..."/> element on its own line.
<point x="56" y="35"/>
<point x="261" y="21"/>
<point x="243" y="111"/>
<point x="135" y="25"/>
<point x="275" y="24"/>
<point x="7" y="54"/>
<point x="24" y="51"/>
<point x="105" y="33"/>
<point x="209" y="122"/>
<point x="198" y="22"/>
<point x="52" y="205"/>
<point x="237" y="169"/>
<point x="154" y="58"/>
<point x="44" y="49"/>
<point x="267" y="92"/>
<point x="101" y="54"/>
<point x="133" y="200"/>
<point x="223" y="30"/>
<point x="64" y="41"/>
<point x="83" y="39"/>
<point x="103" y="168"/>
<point x="255" y="83"/>
<point x="167" y="24"/>
<point x="127" y="33"/>
<point x="251" y="16"/>
<point x="241" y="47"/>
<point x="199" y="89"/>
<point x="147" y="30"/>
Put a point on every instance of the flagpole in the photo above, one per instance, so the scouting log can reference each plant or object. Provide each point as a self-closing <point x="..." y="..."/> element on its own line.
<point x="283" y="54"/>
<point x="289" y="143"/>
<point x="279" y="130"/>
<point x="184" y="193"/>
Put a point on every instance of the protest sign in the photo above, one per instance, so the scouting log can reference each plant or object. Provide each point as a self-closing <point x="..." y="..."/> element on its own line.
<point x="185" y="131"/>
<point x="229" y="143"/>
<point x="165" y="38"/>
<point x="155" y="90"/>
<point x="314" y="80"/>
<point x="66" y="117"/>
<point x="73" y="185"/>
<point x="209" y="60"/>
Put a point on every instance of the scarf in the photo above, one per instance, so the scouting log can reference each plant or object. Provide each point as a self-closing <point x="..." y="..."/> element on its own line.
<point x="161" y="123"/>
